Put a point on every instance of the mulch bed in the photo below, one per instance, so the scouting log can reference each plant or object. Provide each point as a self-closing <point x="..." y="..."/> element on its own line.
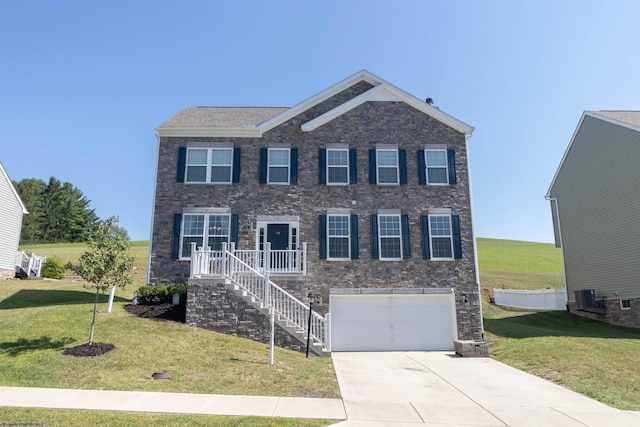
<point x="86" y="350"/>
<point x="161" y="312"/>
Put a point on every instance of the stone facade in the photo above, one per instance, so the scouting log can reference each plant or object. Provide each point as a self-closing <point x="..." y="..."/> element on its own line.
<point x="615" y="314"/>
<point x="7" y="274"/>
<point x="362" y="128"/>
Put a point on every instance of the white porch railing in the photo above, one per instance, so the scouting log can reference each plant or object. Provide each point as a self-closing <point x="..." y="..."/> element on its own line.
<point x="30" y="264"/>
<point x="239" y="268"/>
<point x="545" y="299"/>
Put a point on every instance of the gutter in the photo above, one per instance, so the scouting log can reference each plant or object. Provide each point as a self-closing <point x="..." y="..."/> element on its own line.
<point x="153" y="209"/>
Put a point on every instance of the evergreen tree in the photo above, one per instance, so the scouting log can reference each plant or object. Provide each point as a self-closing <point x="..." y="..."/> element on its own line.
<point x="58" y="212"/>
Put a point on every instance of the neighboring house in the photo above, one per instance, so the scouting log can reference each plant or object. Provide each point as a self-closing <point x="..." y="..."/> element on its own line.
<point x="595" y="202"/>
<point x="356" y="200"/>
<point x="11" y="211"/>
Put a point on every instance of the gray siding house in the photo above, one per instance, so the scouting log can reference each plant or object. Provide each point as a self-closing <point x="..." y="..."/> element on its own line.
<point x="11" y="211"/>
<point x="595" y="203"/>
<point x="355" y="201"/>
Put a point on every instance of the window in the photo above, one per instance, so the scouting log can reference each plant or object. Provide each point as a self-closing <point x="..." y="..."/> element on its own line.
<point x="625" y="304"/>
<point x="441" y="237"/>
<point x="209" y="165"/>
<point x="338" y="236"/>
<point x="436" y="164"/>
<point x="337" y="166"/>
<point x="213" y="229"/>
<point x="390" y="237"/>
<point x="387" y="167"/>
<point x="278" y="166"/>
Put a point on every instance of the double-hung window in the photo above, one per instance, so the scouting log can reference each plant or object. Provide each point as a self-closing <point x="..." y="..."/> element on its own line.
<point x="338" y="237"/>
<point x="214" y="229"/>
<point x="278" y="166"/>
<point x="390" y="237"/>
<point x="387" y="167"/>
<point x="209" y="165"/>
<point x="337" y="166"/>
<point x="441" y="237"/>
<point x="436" y="166"/>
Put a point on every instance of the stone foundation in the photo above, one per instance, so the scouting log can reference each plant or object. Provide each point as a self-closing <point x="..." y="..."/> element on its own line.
<point x="615" y="314"/>
<point x="7" y="274"/>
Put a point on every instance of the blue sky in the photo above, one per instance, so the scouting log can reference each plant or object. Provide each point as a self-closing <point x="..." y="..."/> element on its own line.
<point x="83" y="84"/>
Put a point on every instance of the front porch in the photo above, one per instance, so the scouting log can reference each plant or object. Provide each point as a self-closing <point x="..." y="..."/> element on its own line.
<point x="284" y="262"/>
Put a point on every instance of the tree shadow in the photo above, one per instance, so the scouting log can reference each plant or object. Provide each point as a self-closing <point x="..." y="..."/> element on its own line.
<point x="556" y="323"/>
<point x="22" y="345"/>
<point x="26" y="298"/>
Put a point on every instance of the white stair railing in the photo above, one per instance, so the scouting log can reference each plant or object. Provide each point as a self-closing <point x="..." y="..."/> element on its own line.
<point x="257" y="284"/>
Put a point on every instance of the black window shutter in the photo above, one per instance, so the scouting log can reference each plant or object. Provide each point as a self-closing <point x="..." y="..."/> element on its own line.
<point x="422" y="168"/>
<point x="406" y="240"/>
<point x="175" y="241"/>
<point x="182" y="163"/>
<point x="234" y="228"/>
<point x="236" y="165"/>
<point x="451" y="159"/>
<point x="402" y="159"/>
<point x="355" y="247"/>
<point x="372" y="167"/>
<point x="293" y="178"/>
<point x="353" y="166"/>
<point x="263" y="165"/>
<point x="426" y="251"/>
<point x="374" y="237"/>
<point x="322" y="233"/>
<point x="457" y="238"/>
<point x="322" y="166"/>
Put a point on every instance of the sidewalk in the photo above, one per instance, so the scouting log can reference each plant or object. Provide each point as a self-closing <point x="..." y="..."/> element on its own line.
<point x="176" y="403"/>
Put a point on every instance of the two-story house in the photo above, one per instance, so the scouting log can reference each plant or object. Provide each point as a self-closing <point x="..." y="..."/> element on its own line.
<point x="358" y="197"/>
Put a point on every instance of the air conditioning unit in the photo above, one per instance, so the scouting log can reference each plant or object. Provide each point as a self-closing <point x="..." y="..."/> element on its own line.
<point x="585" y="299"/>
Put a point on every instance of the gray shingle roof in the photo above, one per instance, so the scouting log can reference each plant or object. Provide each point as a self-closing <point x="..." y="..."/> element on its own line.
<point x="629" y="117"/>
<point x="221" y="117"/>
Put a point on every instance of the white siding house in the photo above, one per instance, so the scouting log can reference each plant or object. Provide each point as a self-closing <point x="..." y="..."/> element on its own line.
<point x="595" y="203"/>
<point x="11" y="211"/>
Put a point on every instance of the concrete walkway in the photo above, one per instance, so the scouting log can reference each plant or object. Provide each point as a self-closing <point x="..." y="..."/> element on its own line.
<point x="378" y="389"/>
<point x="176" y="403"/>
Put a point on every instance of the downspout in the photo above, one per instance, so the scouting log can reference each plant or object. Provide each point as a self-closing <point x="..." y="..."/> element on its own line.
<point x="473" y="230"/>
<point x="153" y="209"/>
<point x="557" y="221"/>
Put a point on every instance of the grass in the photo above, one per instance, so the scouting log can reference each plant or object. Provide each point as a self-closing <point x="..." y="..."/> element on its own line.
<point x="592" y="358"/>
<point x="589" y="357"/>
<point x="509" y="264"/>
<point x="72" y="418"/>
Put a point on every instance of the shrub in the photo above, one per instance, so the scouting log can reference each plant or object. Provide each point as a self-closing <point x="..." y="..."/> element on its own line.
<point x="159" y="294"/>
<point x="53" y="268"/>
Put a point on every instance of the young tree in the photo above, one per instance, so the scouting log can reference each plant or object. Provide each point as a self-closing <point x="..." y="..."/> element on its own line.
<point x="107" y="262"/>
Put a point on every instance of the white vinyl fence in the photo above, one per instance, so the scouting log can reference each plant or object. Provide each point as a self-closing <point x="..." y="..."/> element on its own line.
<point x="545" y="299"/>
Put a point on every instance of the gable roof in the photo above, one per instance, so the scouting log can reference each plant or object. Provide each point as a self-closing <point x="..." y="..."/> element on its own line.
<point x="628" y="119"/>
<point x="3" y="174"/>
<point x="253" y="121"/>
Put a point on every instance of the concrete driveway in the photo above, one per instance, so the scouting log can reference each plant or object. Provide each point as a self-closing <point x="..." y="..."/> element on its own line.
<point x="439" y="388"/>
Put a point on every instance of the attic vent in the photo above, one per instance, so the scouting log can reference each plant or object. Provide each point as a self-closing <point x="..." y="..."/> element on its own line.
<point x="429" y="101"/>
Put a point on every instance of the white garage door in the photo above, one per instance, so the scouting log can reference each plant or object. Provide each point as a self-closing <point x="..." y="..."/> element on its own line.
<point x="383" y="322"/>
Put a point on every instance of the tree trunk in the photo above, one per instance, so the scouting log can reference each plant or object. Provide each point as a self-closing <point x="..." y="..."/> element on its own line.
<point x="93" y="321"/>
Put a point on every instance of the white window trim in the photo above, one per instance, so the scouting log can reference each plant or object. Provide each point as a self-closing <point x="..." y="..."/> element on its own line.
<point x="345" y="167"/>
<point x="208" y="166"/>
<point x="446" y="167"/>
<point x="380" y="237"/>
<point x="205" y="236"/>
<point x="432" y="236"/>
<point x="378" y="150"/>
<point x="622" y="306"/>
<point x="348" y="258"/>
<point x="269" y="150"/>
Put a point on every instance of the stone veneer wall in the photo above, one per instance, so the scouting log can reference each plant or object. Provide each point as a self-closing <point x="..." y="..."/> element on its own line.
<point x="362" y="128"/>
<point x="7" y="274"/>
<point x="212" y="306"/>
<point x="615" y="315"/>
